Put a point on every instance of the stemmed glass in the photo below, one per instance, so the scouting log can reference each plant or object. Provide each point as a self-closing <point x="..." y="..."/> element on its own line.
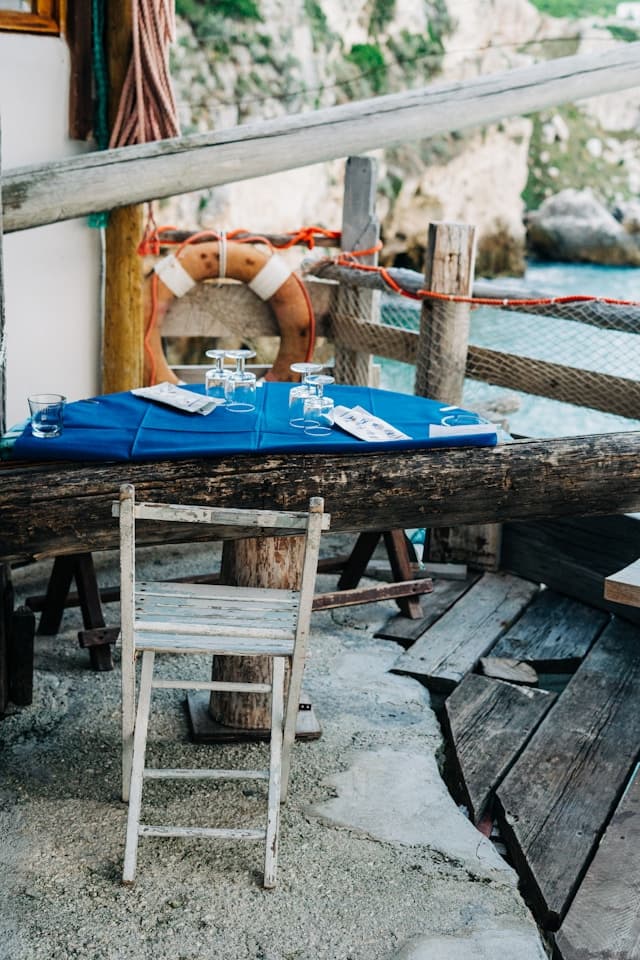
<point x="318" y="409"/>
<point x="216" y="378"/>
<point x="240" y="385"/>
<point x="301" y="391"/>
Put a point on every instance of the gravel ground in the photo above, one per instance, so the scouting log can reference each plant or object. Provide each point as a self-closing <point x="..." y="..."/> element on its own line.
<point x="369" y="867"/>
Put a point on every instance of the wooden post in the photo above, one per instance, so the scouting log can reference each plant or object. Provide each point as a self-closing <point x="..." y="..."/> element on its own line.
<point x="6" y="611"/>
<point x="440" y="369"/>
<point x="3" y="333"/>
<point x="444" y="326"/>
<point x="123" y="337"/>
<point x="360" y="231"/>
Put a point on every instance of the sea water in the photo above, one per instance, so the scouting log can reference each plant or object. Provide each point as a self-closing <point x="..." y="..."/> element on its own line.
<point x="546" y="338"/>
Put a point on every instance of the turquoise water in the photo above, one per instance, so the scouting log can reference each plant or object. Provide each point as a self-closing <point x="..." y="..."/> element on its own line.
<point x="546" y="338"/>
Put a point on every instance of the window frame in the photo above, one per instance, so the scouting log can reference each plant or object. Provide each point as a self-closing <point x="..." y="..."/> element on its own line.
<point x="47" y="18"/>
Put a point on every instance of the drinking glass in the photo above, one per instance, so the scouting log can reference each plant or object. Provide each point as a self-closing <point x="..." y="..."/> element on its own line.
<point x="318" y="409"/>
<point x="46" y="414"/>
<point x="301" y="391"/>
<point x="216" y="378"/>
<point x="462" y="420"/>
<point x="240" y="385"/>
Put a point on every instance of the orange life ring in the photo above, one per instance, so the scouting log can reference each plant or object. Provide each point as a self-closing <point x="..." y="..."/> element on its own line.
<point x="266" y="273"/>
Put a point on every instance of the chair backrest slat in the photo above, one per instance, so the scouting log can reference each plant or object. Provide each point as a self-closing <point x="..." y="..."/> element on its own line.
<point x="262" y="520"/>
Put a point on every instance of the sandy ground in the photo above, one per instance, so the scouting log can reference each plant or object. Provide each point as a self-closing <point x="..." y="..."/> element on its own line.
<point x="376" y="861"/>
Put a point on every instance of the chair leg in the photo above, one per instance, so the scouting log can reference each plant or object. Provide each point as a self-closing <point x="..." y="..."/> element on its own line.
<point x="128" y="679"/>
<point x="290" y="721"/>
<point x="275" y="773"/>
<point x="137" y="768"/>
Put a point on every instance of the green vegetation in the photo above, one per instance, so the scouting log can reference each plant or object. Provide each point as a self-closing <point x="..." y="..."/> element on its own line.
<point x="382" y="12"/>
<point x="567" y="161"/>
<point x="576" y="8"/>
<point x="626" y="34"/>
<point x="199" y="12"/>
<point x="370" y="64"/>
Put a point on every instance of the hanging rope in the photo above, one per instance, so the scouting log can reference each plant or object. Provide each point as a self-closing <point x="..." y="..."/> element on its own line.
<point x="147" y="109"/>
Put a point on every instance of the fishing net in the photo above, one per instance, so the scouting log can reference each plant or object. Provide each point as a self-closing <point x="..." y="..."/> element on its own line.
<point x="528" y="352"/>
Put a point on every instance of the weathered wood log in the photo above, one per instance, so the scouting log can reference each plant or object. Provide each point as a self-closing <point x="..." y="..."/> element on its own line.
<point x="273" y="562"/>
<point x="108" y="179"/>
<point x="583" y="476"/>
<point x="3" y="349"/>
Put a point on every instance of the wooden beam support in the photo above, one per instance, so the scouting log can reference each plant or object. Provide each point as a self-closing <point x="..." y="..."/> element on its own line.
<point x="523" y="480"/>
<point x="102" y="181"/>
<point x="123" y="335"/>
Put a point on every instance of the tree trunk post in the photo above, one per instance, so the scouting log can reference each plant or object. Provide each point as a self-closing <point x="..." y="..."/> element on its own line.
<point x="272" y="562"/>
<point x="440" y="371"/>
<point x="444" y="326"/>
<point x="360" y="231"/>
<point x="123" y="338"/>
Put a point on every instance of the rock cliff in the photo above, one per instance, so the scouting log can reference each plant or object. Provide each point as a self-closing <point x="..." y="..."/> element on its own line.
<point x="250" y="59"/>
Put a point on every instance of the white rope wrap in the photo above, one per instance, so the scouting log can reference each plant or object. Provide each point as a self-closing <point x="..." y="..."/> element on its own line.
<point x="269" y="280"/>
<point x="222" y="255"/>
<point x="174" y="276"/>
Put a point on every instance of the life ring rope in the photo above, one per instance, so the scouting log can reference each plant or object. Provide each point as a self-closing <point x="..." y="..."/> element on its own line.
<point x="266" y="281"/>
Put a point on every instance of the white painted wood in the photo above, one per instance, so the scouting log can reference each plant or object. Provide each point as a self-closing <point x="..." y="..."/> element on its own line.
<point x="128" y="667"/>
<point x="181" y="513"/>
<point x="214" y="619"/>
<point x="307" y="588"/>
<point x="111" y="178"/>
<point x="165" y="588"/>
<point x="217" y="645"/>
<point x="180" y="773"/>
<point x="275" y="774"/>
<point x="212" y="685"/>
<point x="212" y="833"/>
<point x="137" y="768"/>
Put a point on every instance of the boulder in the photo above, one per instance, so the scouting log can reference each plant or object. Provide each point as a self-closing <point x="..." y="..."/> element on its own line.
<point x="574" y="225"/>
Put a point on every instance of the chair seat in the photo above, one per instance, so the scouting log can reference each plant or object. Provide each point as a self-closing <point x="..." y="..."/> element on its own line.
<point x="205" y="618"/>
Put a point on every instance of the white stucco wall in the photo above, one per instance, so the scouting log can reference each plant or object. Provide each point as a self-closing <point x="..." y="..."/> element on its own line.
<point x="52" y="273"/>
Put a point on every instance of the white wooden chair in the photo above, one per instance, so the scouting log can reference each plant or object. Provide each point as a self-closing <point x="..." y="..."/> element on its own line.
<point x="178" y="618"/>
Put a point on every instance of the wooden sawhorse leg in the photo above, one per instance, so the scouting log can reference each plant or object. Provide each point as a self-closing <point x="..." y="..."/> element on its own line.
<point x="398" y="550"/>
<point x="78" y="567"/>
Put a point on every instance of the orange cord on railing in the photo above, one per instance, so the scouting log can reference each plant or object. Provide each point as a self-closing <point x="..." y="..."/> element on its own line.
<point x="152" y="241"/>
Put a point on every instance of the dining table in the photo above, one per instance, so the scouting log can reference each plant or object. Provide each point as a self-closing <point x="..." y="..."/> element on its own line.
<point x="56" y="494"/>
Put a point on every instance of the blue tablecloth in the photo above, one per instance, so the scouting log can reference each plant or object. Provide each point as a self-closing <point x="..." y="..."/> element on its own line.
<point x="120" y="426"/>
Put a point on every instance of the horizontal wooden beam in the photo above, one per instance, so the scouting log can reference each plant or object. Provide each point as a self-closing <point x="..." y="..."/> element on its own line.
<point x="50" y="509"/>
<point x="37" y="195"/>
<point x="585" y="388"/>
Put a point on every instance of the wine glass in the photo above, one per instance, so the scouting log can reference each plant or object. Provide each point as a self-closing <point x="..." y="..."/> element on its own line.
<point x="240" y="385"/>
<point x="302" y="390"/>
<point x="318" y="409"/>
<point x="216" y="378"/>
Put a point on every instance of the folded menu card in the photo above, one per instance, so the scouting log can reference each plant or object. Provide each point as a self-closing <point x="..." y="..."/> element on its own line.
<point x="363" y="425"/>
<point x="173" y="396"/>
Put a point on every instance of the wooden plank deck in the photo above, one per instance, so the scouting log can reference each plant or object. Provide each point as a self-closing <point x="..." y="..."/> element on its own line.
<point x="603" y="922"/>
<point x="487" y="723"/>
<point x="443" y="655"/>
<point x="547" y="770"/>
<point x="553" y="634"/>
<point x="561" y="791"/>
